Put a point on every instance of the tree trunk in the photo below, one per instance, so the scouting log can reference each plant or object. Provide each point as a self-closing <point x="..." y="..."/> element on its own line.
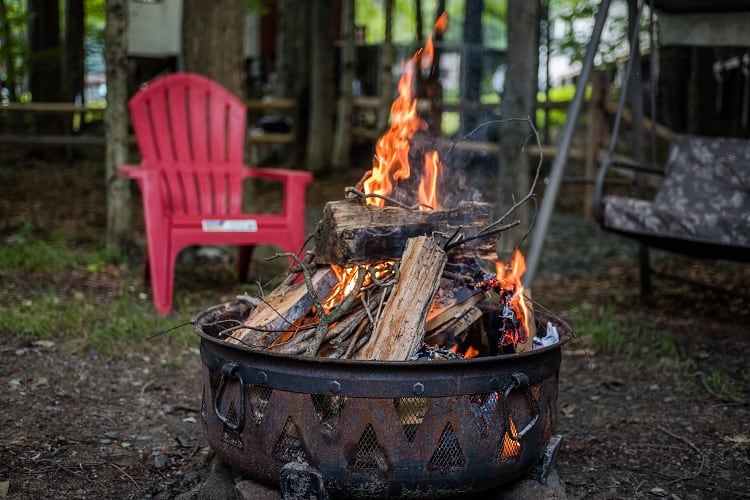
<point x="471" y="73"/>
<point x="385" y="80"/>
<point x="8" y="50"/>
<point x="322" y="88"/>
<point x="518" y="101"/>
<point x="45" y="60"/>
<point x="119" y="210"/>
<point x="212" y="41"/>
<point x="348" y="64"/>
<point x="419" y="21"/>
<point x="674" y="71"/>
<point x="433" y="88"/>
<point x="293" y="68"/>
<point x="73" y="67"/>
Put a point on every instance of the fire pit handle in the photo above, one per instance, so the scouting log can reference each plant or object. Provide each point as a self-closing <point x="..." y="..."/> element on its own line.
<point x="519" y="381"/>
<point x="231" y="370"/>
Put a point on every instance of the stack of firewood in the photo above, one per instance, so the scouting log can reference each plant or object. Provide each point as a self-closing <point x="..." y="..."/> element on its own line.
<point x="387" y="284"/>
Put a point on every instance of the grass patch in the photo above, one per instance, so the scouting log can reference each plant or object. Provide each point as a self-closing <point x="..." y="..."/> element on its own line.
<point x="82" y="299"/>
<point x="722" y="386"/>
<point x="601" y="328"/>
<point x="84" y="322"/>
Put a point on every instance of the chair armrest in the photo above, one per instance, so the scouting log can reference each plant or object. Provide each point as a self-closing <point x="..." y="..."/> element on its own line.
<point x="627" y="163"/>
<point x="278" y="174"/>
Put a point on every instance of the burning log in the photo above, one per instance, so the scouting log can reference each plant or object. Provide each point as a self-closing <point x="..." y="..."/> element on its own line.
<point x="282" y="308"/>
<point x="352" y="232"/>
<point x="400" y="330"/>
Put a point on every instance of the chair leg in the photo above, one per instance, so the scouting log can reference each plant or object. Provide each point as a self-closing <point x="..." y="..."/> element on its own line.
<point x="161" y="264"/>
<point x="645" y="270"/>
<point x="244" y="256"/>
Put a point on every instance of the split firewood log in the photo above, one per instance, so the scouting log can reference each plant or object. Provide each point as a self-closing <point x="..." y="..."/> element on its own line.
<point x="400" y="329"/>
<point x="279" y="310"/>
<point x="352" y="232"/>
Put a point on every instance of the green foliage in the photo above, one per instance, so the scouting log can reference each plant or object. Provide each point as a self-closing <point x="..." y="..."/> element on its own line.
<point x="372" y="15"/>
<point x="577" y="18"/>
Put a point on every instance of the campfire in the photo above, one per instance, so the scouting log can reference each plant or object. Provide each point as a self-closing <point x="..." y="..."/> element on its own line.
<point x="400" y="357"/>
<point x="394" y="275"/>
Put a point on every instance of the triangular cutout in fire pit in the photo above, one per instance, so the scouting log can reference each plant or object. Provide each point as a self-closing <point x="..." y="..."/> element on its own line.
<point x="448" y="453"/>
<point x="369" y="454"/>
<point x="288" y="447"/>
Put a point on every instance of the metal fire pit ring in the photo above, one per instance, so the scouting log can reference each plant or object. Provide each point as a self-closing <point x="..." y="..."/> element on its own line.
<point x="372" y="429"/>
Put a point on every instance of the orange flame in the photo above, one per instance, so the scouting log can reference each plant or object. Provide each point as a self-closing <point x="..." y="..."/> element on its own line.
<point x="510" y="277"/>
<point x="510" y="446"/>
<point x="471" y="352"/>
<point x="391" y="162"/>
<point x="348" y="276"/>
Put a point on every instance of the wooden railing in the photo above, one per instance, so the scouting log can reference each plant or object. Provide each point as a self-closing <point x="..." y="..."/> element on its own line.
<point x="11" y="115"/>
<point x="10" y="135"/>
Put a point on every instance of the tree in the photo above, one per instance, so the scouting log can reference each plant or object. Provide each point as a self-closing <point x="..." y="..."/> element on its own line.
<point x="45" y="59"/>
<point x="119" y="226"/>
<point x="322" y="88"/>
<point x="13" y="22"/>
<point x="343" y="136"/>
<point x="73" y="57"/>
<point x="212" y="41"/>
<point x="518" y="101"/>
<point x="471" y="71"/>
<point x="385" y="78"/>
<point x="293" y="67"/>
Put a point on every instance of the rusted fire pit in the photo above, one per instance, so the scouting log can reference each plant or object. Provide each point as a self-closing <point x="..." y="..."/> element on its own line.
<point x="424" y="375"/>
<point x="421" y="429"/>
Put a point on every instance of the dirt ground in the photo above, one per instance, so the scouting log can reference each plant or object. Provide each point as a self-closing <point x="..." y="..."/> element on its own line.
<point x="666" y="417"/>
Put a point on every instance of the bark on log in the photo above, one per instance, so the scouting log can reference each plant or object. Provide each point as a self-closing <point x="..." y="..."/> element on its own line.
<point x="284" y="306"/>
<point x="351" y="232"/>
<point x="400" y="329"/>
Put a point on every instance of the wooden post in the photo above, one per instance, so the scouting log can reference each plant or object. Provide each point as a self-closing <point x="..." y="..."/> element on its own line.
<point x="595" y="135"/>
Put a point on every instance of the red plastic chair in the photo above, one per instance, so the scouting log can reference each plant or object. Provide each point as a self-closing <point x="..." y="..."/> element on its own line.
<point x="191" y="135"/>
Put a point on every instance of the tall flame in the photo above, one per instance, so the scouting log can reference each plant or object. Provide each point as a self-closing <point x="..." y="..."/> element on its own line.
<point x="510" y="277"/>
<point x="391" y="162"/>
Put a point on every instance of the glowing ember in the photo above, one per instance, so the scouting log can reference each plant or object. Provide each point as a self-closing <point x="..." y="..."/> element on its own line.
<point x="391" y="162"/>
<point x="348" y="276"/>
<point x="511" y="447"/>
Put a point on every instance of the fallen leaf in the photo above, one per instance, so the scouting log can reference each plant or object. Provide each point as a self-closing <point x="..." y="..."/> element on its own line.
<point x="738" y="439"/>
<point x="659" y="492"/>
<point x="47" y="344"/>
<point x="568" y="409"/>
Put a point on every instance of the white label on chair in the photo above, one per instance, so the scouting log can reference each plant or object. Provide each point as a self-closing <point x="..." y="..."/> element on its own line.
<point x="223" y="225"/>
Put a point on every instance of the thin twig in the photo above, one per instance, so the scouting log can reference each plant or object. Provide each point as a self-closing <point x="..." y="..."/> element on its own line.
<point x="693" y="446"/>
<point x="126" y="475"/>
<point x="530" y="194"/>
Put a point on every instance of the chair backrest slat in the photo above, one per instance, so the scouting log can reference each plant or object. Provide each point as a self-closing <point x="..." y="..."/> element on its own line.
<point x="188" y="123"/>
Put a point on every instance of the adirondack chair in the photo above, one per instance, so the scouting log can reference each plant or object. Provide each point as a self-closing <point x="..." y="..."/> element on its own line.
<point x="191" y="135"/>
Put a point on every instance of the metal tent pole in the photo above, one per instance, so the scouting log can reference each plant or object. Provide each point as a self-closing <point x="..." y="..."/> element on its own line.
<point x="558" y="165"/>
